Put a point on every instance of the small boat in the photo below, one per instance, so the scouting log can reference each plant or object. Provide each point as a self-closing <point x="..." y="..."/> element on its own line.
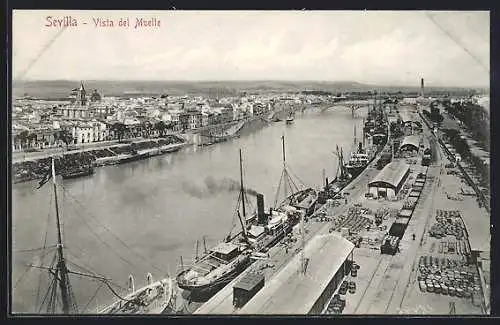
<point x="80" y="172"/>
<point x="154" y="298"/>
<point x="290" y="118"/>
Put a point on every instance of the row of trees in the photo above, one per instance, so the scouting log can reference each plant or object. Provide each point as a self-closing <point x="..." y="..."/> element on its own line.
<point x="462" y="147"/>
<point x="27" y="140"/>
<point x="474" y="117"/>
<point x="146" y="129"/>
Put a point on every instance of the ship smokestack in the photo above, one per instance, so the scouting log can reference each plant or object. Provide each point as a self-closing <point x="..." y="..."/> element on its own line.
<point x="422" y="87"/>
<point x="326" y="185"/>
<point x="260" y="209"/>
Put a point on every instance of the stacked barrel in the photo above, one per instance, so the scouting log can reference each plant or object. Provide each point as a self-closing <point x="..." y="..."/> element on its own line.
<point x="449" y="277"/>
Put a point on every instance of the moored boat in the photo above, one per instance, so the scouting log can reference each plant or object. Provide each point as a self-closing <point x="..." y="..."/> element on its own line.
<point x="79" y="172"/>
<point x="221" y="264"/>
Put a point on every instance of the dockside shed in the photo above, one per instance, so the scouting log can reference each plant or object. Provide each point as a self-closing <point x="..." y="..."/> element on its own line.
<point x="410" y="143"/>
<point x="389" y="180"/>
<point x="290" y="291"/>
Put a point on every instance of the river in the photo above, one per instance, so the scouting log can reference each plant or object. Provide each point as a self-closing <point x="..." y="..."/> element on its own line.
<point x="142" y="216"/>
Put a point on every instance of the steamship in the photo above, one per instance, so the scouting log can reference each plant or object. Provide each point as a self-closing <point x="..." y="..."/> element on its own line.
<point x="259" y="232"/>
<point x="375" y="129"/>
<point x="221" y="264"/>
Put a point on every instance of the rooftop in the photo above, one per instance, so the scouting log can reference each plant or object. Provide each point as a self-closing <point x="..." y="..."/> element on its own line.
<point x="392" y="174"/>
<point x="412" y="140"/>
<point x="290" y="292"/>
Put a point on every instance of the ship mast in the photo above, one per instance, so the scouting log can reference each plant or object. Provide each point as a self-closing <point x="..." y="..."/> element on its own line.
<point x="61" y="272"/>
<point x="242" y="195"/>
<point x="285" y="179"/>
<point x="242" y="189"/>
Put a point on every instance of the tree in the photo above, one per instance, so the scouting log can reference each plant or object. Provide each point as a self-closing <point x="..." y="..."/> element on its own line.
<point x="161" y="127"/>
<point x="147" y="127"/>
<point x="120" y="129"/>
<point x="65" y="136"/>
<point x="23" y="138"/>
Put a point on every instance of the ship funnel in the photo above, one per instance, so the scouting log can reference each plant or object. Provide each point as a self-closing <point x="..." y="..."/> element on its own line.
<point x="149" y="277"/>
<point x="326" y="185"/>
<point x="360" y="147"/>
<point x="260" y="209"/>
<point x="131" y="285"/>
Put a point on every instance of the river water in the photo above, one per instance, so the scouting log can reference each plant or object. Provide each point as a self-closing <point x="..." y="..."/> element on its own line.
<point x="142" y="216"/>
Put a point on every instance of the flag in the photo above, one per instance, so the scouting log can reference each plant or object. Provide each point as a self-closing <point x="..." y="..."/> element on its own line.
<point x="45" y="179"/>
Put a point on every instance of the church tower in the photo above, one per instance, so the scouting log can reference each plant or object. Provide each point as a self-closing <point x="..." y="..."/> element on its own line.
<point x="81" y="97"/>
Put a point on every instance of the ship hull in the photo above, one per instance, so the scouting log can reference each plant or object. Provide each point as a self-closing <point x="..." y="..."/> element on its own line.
<point x="211" y="288"/>
<point x="78" y="174"/>
<point x="355" y="170"/>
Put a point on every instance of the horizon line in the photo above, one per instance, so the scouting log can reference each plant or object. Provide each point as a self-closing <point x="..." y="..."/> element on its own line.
<point x="249" y="80"/>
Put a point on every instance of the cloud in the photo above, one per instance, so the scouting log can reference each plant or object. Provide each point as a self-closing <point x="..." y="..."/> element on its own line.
<point x="378" y="47"/>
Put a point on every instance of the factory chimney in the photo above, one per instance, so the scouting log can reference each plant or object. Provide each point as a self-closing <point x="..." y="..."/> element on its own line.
<point x="422" y="87"/>
<point x="260" y="209"/>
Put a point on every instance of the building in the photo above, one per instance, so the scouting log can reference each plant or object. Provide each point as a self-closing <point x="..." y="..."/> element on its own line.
<point x="208" y="118"/>
<point x="80" y="107"/>
<point x="389" y="180"/>
<point x="329" y="258"/>
<point x="227" y="114"/>
<point x="195" y="120"/>
<point x="411" y="143"/>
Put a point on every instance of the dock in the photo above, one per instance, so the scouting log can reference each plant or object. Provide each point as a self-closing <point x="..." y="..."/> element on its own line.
<point x="386" y="283"/>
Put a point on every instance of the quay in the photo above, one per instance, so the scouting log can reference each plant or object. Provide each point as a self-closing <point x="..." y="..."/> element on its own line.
<point x="419" y="276"/>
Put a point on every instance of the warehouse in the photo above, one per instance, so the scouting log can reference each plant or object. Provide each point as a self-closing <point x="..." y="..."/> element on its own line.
<point x="410" y="143"/>
<point x="291" y="292"/>
<point x="390" y="180"/>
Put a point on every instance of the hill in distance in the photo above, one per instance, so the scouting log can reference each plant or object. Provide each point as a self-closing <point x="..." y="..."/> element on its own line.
<point x="62" y="88"/>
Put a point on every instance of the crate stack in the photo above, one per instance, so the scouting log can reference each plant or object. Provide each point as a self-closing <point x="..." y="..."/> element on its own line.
<point x="448" y="223"/>
<point x="449" y="277"/>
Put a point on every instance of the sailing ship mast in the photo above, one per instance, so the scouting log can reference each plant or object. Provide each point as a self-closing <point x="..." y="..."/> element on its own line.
<point x="242" y="196"/>
<point x="285" y="173"/>
<point x="61" y="272"/>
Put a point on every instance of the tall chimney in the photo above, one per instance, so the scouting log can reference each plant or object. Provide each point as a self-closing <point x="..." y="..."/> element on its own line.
<point x="260" y="209"/>
<point x="422" y="87"/>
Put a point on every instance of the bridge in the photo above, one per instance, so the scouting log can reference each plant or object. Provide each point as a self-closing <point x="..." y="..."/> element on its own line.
<point x="353" y="105"/>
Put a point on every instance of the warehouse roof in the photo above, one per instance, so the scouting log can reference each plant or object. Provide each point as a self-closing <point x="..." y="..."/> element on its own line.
<point x="411" y="140"/>
<point x="392" y="174"/>
<point x="290" y="292"/>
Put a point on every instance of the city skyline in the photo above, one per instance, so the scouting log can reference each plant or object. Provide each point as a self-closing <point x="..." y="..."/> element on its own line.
<point x="447" y="49"/>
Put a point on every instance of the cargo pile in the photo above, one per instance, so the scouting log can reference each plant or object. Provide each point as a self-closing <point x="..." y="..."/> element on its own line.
<point x="449" y="277"/>
<point x="409" y="205"/>
<point x="336" y="305"/>
<point x="354" y="223"/>
<point x="460" y="247"/>
<point x="390" y="245"/>
<point x="449" y="223"/>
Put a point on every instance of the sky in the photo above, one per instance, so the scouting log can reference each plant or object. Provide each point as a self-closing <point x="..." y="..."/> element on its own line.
<point x="388" y="47"/>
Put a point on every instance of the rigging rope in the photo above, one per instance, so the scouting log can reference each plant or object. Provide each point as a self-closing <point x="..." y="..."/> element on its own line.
<point x="110" y="232"/>
<point x="40" y="283"/>
<point x="29" y="268"/>
<point x="93" y="275"/>
<point x="93" y="297"/>
<point x="103" y="242"/>
<point x="49" y="291"/>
